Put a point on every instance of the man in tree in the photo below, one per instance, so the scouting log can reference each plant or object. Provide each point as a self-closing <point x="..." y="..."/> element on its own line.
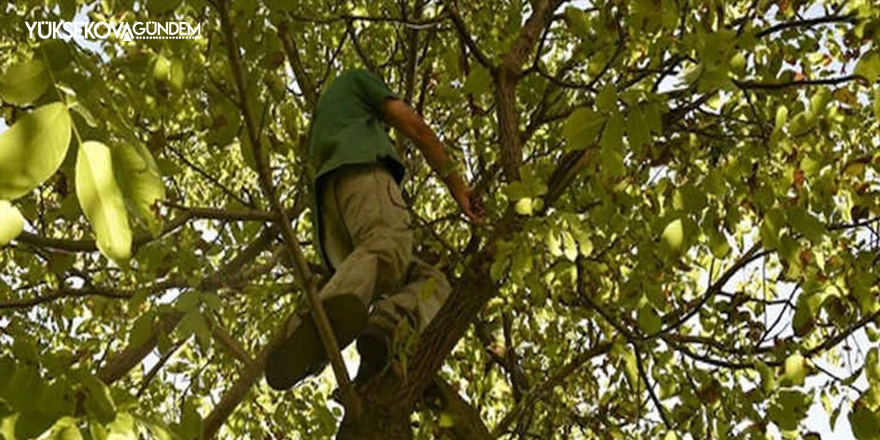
<point x="363" y="229"/>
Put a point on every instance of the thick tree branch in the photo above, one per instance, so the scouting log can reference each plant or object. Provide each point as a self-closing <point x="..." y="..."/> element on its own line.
<point x="467" y="423"/>
<point x="506" y="76"/>
<point x="121" y="363"/>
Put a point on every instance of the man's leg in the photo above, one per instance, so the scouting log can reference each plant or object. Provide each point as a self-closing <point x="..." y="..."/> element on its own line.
<point x="417" y="303"/>
<point x="362" y="213"/>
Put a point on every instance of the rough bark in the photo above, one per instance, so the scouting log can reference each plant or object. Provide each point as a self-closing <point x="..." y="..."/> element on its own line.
<point x="120" y="364"/>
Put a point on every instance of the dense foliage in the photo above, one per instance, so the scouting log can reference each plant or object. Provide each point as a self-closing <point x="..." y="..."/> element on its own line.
<point x="683" y="236"/>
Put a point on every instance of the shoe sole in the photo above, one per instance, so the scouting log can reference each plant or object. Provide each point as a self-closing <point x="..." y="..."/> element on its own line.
<point x="290" y="362"/>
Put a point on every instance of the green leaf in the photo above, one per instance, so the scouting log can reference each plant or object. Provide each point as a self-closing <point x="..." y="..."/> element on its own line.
<point x="282" y="5"/>
<point x="649" y="321"/>
<point x="611" y="146"/>
<point x="446" y="420"/>
<point x="819" y="101"/>
<point x="804" y="222"/>
<point x="161" y="68"/>
<point x="864" y="422"/>
<point x="247" y="152"/>
<point x="795" y="369"/>
<point x="582" y="127"/>
<point x="11" y="222"/>
<point x="673" y="235"/>
<point x="788" y="409"/>
<point x="523" y="206"/>
<point x="869" y="66"/>
<point x="781" y="117"/>
<point x="140" y="182"/>
<point x="606" y="101"/>
<point x="69" y="433"/>
<point x="569" y="247"/>
<point x="32" y="423"/>
<point x="191" y="421"/>
<point x="141" y="329"/>
<point x="803" y="321"/>
<point x="477" y="82"/>
<point x="738" y="64"/>
<point x="98" y="403"/>
<point x="637" y="129"/>
<point x="101" y="200"/>
<point x="187" y="301"/>
<point x="177" y="75"/>
<point x="877" y="103"/>
<point x="162" y="6"/>
<point x="122" y="428"/>
<point x="24" y="82"/>
<point x="33" y="149"/>
<point x="194" y="323"/>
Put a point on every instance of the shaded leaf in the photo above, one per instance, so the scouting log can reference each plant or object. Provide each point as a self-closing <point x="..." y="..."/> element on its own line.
<point x="582" y="127"/>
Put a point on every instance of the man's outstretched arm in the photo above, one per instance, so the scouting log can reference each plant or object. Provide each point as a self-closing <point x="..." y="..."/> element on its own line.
<point x="405" y="120"/>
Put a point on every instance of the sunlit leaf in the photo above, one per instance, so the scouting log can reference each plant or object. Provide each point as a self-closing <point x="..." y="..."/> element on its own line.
<point x="11" y="222"/>
<point x="32" y="149"/>
<point x="24" y="82"/>
<point x="101" y="200"/>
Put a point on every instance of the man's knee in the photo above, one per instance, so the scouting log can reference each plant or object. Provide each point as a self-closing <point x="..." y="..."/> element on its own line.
<point x="392" y="256"/>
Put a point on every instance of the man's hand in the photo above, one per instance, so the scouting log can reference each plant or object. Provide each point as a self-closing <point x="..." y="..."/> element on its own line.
<point x="468" y="200"/>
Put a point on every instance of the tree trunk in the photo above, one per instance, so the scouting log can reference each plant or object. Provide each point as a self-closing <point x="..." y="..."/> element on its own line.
<point x="381" y="418"/>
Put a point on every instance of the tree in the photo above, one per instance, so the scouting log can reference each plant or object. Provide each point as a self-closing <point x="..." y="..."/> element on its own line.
<point x="682" y="242"/>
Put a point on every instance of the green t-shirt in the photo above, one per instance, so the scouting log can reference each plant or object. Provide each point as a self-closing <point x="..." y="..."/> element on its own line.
<point x="348" y="126"/>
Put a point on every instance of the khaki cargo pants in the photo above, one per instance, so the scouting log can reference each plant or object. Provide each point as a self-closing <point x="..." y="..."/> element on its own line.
<point x="367" y="238"/>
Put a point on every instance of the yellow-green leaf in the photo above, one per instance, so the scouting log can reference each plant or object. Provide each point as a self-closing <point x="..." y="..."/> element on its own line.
<point x="33" y="149"/>
<point x="177" y="75"/>
<point x="523" y="206"/>
<point x="101" y="200"/>
<point x="795" y="369"/>
<point x="11" y="222"/>
<point x="161" y="68"/>
<point x="673" y="235"/>
<point x="869" y="67"/>
<point x="24" y="82"/>
<point x="69" y="433"/>
<point x="781" y="117"/>
<point x="140" y="182"/>
<point x="649" y="320"/>
<point x="569" y="247"/>
<point x="582" y="128"/>
<point x="877" y="103"/>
